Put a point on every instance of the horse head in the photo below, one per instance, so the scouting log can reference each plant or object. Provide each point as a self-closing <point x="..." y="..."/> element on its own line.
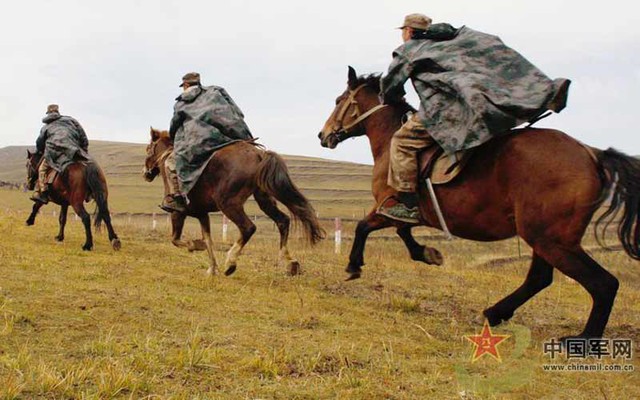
<point x="353" y="107"/>
<point x="33" y="160"/>
<point x="157" y="150"/>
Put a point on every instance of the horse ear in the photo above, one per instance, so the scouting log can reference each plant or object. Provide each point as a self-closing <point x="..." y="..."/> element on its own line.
<point x="28" y="154"/>
<point x="353" y="77"/>
<point x="154" y="134"/>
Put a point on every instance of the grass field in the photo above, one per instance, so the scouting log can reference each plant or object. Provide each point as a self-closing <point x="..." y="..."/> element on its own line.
<point x="146" y="322"/>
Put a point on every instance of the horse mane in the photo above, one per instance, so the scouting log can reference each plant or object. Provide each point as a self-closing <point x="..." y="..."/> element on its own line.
<point x="373" y="81"/>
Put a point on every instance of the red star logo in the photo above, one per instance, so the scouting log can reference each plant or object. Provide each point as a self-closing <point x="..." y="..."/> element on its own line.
<point x="486" y="343"/>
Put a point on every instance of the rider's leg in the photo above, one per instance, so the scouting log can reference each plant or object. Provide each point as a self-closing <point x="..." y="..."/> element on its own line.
<point x="42" y="188"/>
<point x="174" y="201"/>
<point x="406" y="143"/>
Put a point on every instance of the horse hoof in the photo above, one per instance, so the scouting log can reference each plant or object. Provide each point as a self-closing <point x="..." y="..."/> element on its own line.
<point x="294" y="268"/>
<point x="433" y="256"/>
<point x="29" y="223"/>
<point x="353" y="276"/>
<point x="87" y="247"/>
<point x="212" y="271"/>
<point x="230" y="270"/>
<point x="116" y="244"/>
<point x="59" y="238"/>
<point x="495" y="318"/>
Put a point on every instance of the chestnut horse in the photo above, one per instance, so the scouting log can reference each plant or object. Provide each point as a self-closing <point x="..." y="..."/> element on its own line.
<point x="80" y="182"/>
<point x="539" y="184"/>
<point x="234" y="173"/>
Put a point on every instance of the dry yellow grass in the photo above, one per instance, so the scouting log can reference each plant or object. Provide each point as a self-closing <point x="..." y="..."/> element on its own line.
<point x="147" y="323"/>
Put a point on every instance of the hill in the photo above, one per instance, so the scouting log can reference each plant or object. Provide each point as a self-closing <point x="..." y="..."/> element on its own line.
<point x="335" y="187"/>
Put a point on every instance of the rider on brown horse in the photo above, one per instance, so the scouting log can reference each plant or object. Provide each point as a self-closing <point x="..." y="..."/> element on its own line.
<point x="204" y="120"/>
<point x="471" y="87"/>
<point x="62" y="141"/>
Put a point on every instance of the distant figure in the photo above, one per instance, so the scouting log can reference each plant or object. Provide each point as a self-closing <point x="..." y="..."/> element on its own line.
<point x="472" y="88"/>
<point x="62" y="141"/>
<point x="204" y="120"/>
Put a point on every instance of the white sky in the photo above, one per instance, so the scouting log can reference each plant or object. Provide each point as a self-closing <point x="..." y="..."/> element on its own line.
<point x="116" y="65"/>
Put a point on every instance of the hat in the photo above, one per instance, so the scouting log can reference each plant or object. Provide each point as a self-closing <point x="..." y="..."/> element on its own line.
<point x="416" y="21"/>
<point x="52" y="108"/>
<point x="192" y="78"/>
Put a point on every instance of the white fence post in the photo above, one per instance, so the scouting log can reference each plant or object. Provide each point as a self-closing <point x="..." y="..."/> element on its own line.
<point x="225" y="228"/>
<point x="338" y="234"/>
<point x="154" y="223"/>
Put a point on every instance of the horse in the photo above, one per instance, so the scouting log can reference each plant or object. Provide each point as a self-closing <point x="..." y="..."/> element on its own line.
<point x="539" y="184"/>
<point x="233" y="173"/>
<point x="80" y="182"/>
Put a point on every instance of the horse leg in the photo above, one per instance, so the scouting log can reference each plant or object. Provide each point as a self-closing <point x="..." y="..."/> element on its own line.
<point x="282" y="220"/>
<point x="113" y="238"/>
<point x="34" y="211"/>
<point x="78" y="207"/>
<point x="539" y="277"/>
<point x="247" y="229"/>
<point x="62" y="219"/>
<point x="601" y="285"/>
<point x="418" y="252"/>
<point x="205" y="226"/>
<point x="370" y="223"/>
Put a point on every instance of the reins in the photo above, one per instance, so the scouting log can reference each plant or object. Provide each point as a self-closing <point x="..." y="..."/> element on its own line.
<point x="351" y="101"/>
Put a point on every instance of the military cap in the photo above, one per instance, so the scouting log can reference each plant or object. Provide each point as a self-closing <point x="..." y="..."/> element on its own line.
<point x="192" y="78"/>
<point x="416" y="21"/>
<point x="52" y="108"/>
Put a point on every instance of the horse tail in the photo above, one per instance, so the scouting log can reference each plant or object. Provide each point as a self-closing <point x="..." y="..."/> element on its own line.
<point x="623" y="186"/>
<point x="98" y="189"/>
<point x="273" y="178"/>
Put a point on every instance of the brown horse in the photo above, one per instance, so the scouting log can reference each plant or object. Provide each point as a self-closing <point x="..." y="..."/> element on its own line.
<point x="539" y="184"/>
<point x="234" y="173"/>
<point x="80" y="182"/>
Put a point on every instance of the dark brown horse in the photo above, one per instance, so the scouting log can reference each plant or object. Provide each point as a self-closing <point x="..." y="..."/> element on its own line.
<point x="234" y="173"/>
<point x="80" y="182"/>
<point x="539" y="184"/>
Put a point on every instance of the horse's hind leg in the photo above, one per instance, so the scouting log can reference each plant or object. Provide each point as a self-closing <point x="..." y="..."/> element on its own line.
<point x="282" y="220"/>
<point x="418" y="252"/>
<point x="34" y="211"/>
<point x="63" y="221"/>
<point x="237" y="215"/>
<point x="113" y="238"/>
<point x="205" y="226"/>
<point x="78" y="207"/>
<point x="539" y="277"/>
<point x="601" y="285"/>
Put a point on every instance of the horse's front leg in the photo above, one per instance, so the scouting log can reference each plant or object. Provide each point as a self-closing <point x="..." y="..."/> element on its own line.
<point x="418" y="252"/>
<point x="205" y="226"/>
<point x="63" y="221"/>
<point x="34" y="211"/>
<point x="370" y="223"/>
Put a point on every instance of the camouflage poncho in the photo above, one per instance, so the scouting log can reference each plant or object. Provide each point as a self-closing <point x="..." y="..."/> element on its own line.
<point x="472" y="87"/>
<point x="62" y="140"/>
<point x="204" y="120"/>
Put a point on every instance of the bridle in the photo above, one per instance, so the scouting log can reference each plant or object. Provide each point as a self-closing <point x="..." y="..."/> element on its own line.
<point x="32" y="172"/>
<point x="340" y="130"/>
<point x="161" y="159"/>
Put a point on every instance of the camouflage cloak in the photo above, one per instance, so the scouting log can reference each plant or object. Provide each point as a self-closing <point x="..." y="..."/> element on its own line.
<point x="471" y="86"/>
<point x="62" y="140"/>
<point x="205" y="119"/>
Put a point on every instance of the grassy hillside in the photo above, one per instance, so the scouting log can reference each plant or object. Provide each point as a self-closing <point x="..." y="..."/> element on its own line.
<point x="340" y="188"/>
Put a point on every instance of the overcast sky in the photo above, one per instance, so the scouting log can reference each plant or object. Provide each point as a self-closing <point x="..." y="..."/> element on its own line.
<point x="116" y="65"/>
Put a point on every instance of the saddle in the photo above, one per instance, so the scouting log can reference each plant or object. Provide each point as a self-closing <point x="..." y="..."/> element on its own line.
<point x="441" y="168"/>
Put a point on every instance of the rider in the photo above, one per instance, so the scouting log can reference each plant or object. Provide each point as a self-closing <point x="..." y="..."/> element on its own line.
<point x="204" y="120"/>
<point x="62" y="141"/>
<point x="471" y="88"/>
